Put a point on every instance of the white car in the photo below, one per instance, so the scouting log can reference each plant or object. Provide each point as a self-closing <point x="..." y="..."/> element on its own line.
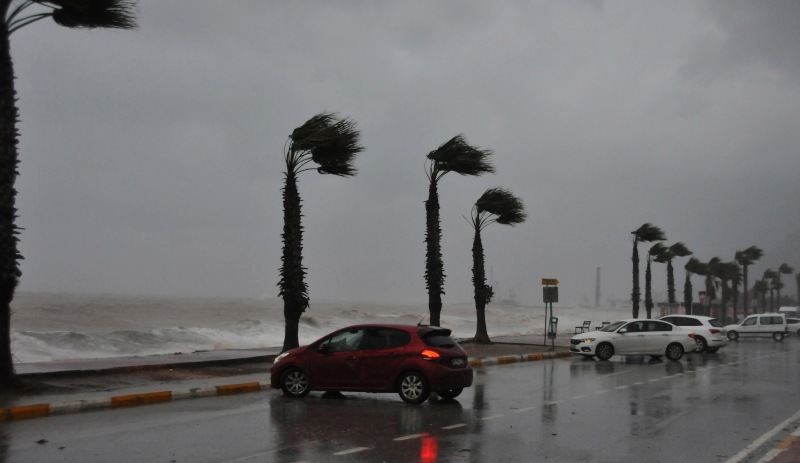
<point x="763" y="324"/>
<point x="634" y="337"/>
<point x="709" y="333"/>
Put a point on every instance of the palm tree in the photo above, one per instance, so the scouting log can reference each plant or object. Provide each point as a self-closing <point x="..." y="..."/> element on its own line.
<point x="647" y="233"/>
<point x="692" y="266"/>
<point x="496" y="205"/>
<point x="771" y="275"/>
<point x="761" y="287"/>
<point x="745" y="259"/>
<point x="456" y="155"/>
<point x="87" y="14"/>
<point x="666" y="256"/>
<point x="331" y="143"/>
<point x="655" y="253"/>
<point x="797" y="280"/>
<point x="728" y="272"/>
<point x="784" y="269"/>
<point x="711" y="273"/>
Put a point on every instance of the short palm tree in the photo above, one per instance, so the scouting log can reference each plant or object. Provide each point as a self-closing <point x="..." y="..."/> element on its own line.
<point x="330" y="143"/>
<point x="711" y="290"/>
<point x="693" y="266"/>
<point x="647" y="233"/>
<point x="747" y="258"/>
<point x="728" y="272"/>
<point x="86" y="14"/>
<point x="769" y="278"/>
<point x="784" y="269"/>
<point x="496" y="205"/>
<point x="761" y="287"/>
<point x="656" y="252"/>
<point x="676" y="250"/>
<point x="456" y="155"/>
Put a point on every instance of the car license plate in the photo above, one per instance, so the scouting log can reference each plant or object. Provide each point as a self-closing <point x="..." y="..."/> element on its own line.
<point x="458" y="362"/>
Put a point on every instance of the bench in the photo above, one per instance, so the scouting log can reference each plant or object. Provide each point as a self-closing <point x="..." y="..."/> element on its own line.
<point x="583" y="328"/>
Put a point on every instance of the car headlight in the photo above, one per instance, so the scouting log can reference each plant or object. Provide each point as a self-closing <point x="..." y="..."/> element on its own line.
<point x="587" y="340"/>
<point x="280" y="357"/>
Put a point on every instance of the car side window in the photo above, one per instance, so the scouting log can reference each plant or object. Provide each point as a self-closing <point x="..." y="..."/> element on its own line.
<point x="772" y="321"/>
<point x="674" y="320"/>
<point x="345" y="341"/>
<point x="750" y="321"/>
<point x="383" y="338"/>
<point x="658" y="326"/>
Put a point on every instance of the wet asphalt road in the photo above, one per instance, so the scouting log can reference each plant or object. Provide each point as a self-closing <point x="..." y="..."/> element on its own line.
<point x="703" y="408"/>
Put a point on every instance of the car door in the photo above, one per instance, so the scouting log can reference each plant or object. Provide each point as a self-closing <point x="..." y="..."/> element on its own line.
<point x="382" y="353"/>
<point x="659" y="335"/>
<point x="336" y="362"/>
<point x="749" y="325"/>
<point x="631" y="338"/>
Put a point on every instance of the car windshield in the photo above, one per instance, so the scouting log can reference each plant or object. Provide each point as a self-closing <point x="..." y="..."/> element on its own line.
<point x="613" y="327"/>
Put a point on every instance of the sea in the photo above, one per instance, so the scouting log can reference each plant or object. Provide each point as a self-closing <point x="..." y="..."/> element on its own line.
<point x="63" y="326"/>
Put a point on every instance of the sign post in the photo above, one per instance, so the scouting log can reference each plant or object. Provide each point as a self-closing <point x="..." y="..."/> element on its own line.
<point x="550" y="295"/>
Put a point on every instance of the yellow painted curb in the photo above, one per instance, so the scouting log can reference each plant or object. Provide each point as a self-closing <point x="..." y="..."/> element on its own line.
<point x="475" y="363"/>
<point x="504" y="360"/>
<point x="231" y="389"/>
<point x="535" y="357"/>
<point x="141" y="399"/>
<point x="24" y="412"/>
<point x="788" y="442"/>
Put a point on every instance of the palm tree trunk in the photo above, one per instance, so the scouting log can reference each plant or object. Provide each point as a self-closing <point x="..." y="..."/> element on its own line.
<point x="9" y="255"/>
<point x="670" y="283"/>
<point x="687" y="294"/>
<point x="479" y="281"/>
<point x="746" y="301"/>
<point x="648" y="296"/>
<point x="635" y="294"/>
<point x="293" y="287"/>
<point x="434" y="267"/>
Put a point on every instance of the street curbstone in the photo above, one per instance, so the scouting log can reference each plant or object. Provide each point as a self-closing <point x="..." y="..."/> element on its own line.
<point x="141" y="399"/>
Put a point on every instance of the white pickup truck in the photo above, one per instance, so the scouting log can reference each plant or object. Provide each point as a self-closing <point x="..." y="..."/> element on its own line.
<point x="763" y="324"/>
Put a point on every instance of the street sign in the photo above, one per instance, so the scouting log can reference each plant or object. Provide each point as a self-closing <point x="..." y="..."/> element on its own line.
<point x="550" y="294"/>
<point x="550" y="281"/>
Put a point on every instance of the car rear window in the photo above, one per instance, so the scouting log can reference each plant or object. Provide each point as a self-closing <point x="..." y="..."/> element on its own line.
<point x="772" y="320"/>
<point x="437" y="337"/>
<point x="715" y="323"/>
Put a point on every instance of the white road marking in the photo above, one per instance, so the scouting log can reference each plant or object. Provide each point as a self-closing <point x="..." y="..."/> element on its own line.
<point x="353" y="450"/>
<point x="410" y="436"/>
<point x="524" y="409"/>
<point x="485" y="418"/>
<point x="454" y="426"/>
<point x="745" y="452"/>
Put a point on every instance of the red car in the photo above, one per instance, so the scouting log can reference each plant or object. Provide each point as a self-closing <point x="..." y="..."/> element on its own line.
<point x="413" y="361"/>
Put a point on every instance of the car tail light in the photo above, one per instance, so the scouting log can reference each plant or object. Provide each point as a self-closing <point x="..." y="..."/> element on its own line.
<point x="691" y="335"/>
<point x="713" y="331"/>
<point x="428" y="354"/>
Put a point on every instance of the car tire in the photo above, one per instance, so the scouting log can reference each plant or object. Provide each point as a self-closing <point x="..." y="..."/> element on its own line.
<point x="604" y="351"/>
<point x="294" y="383"/>
<point x="674" y="351"/>
<point x="413" y="388"/>
<point x="712" y="350"/>
<point x="778" y="337"/>
<point x="733" y="335"/>
<point x="451" y="394"/>
<point x="702" y="345"/>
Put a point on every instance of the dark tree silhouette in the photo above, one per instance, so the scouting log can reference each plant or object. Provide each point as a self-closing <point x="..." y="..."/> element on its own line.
<point x="656" y="253"/>
<point x="728" y="272"/>
<point x="76" y="14"/>
<point x="711" y="290"/>
<point x="332" y="144"/>
<point x="456" y="155"/>
<point x="665" y="257"/>
<point x="496" y="205"/>
<point x="747" y="258"/>
<point x="784" y="269"/>
<point x="692" y="266"/>
<point x="761" y="287"/>
<point x="645" y="234"/>
<point x="770" y="275"/>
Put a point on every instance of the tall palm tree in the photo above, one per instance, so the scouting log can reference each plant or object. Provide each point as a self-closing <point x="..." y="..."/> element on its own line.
<point x="87" y="14"/>
<point x="647" y="233"/>
<point x="747" y="258"/>
<point x="770" y="275"/>
<point x="797" y="280"/>
<point x="692" y="266"/>
<point x="456" y="155"/>
<point x="784" y="269"/>
<point x="332" y="144"/>
<point x="666" y="256"/>
<point x="728" y="272"/>
<point x="496" y="205"/>
<point x="761" y="287"/>
<point x="711" y="273"/>
<point x="654" y="253"/>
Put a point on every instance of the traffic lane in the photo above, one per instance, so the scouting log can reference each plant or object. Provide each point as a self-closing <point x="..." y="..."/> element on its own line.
<point x="703" y="407"/>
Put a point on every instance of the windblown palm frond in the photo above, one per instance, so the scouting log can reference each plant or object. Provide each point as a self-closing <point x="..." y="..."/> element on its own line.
<point x="456" y="155"/>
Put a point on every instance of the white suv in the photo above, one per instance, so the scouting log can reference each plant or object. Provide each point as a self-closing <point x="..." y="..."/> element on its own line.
<point x="762" y="324"/>
<point x="709" y="334"/>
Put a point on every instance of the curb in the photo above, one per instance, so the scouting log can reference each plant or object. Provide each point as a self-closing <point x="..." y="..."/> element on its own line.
<point x="24" y="412"/>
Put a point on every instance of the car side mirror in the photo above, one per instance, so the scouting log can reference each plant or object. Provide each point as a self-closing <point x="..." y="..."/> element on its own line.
<point x="323" y="349"/>
<point x="623" y="331"/>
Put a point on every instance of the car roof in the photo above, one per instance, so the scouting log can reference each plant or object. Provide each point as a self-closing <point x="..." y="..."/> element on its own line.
<point x="697" y="317"/>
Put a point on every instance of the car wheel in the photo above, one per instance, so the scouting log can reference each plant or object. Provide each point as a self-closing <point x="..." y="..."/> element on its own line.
<point x="702" y="345"/>
<point x="777" y="336"/>
<point x="294" y="383"/>
<point x="451" y="393"/>
<point x="712" y="350"/>
<point x="733" y="335"/>
<point x="413" y="388"/>
<point x="674" y="351"/>
<point x="604" y="351"/>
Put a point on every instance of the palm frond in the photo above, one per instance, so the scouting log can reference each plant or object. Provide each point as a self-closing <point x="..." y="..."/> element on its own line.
<point x="332" y="143"/>
<point x="508" y="209"/>
<point x="648" y="233"/>
<point x="456" y="155"/>
<point x="679" y="250"/>
<point x="90" y="14"/>
<point x="694" y="266"/>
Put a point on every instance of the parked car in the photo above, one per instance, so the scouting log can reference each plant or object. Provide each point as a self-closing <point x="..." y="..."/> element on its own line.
<point x="764" y="324"/>
<point x="655" y="338"/>
<point x="709" y="333"/>
<point x="793" y="325"/>
<point x="413" y="361"/>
